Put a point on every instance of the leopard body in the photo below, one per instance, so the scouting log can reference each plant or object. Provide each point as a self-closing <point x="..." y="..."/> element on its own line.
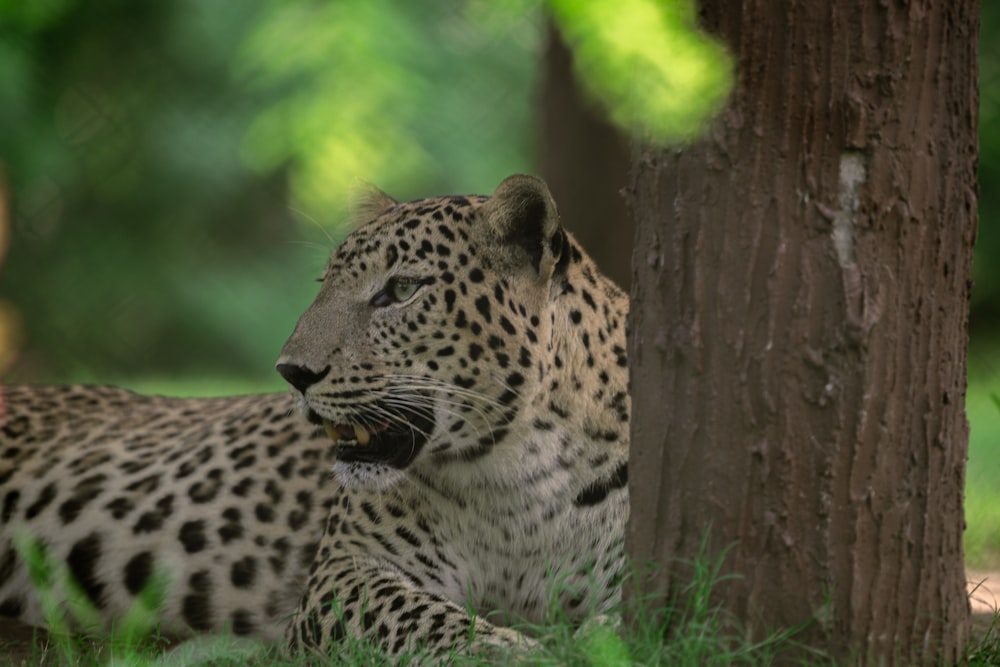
<point x="455" y="463"/>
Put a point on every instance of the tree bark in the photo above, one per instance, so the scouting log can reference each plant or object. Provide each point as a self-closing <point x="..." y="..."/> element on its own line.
<point x="585" y="161"/>
<point x="799" y="327"/>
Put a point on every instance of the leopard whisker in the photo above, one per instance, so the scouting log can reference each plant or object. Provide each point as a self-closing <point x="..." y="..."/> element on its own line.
<point x="444" y="407"/>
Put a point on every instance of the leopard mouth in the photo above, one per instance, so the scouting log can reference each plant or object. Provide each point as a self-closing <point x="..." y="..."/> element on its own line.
<point x="395" y="444"/>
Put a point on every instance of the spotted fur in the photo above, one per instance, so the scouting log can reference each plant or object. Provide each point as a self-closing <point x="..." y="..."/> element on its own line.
<point x="224" y="499"/>
<point x="464" y="362"/>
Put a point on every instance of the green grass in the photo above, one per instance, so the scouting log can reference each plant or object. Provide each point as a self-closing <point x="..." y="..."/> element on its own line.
<point x="985" y="651"/>
<point x="700" y="634"/>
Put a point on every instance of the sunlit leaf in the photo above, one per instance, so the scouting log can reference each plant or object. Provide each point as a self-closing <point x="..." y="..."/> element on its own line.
<point x="647" y="63"/>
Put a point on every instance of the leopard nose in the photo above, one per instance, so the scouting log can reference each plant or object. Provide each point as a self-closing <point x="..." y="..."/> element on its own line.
<point x="301" y="377"/>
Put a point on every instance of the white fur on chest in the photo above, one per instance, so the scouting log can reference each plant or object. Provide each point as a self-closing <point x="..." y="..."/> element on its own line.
<point x="520" y="545"/>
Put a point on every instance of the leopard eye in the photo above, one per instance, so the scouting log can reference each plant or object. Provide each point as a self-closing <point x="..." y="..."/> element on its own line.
<point x="397" y="290"/>
<point x="402" y="290"/>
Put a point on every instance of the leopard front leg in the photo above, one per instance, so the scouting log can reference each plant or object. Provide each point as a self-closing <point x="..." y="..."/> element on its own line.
<point x="376" y="603"/>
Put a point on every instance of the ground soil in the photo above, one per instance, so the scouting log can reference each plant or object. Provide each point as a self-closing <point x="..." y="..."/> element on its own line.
<point x="984" y="596"/>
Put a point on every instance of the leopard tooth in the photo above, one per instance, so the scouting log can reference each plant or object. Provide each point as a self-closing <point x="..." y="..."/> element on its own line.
<point x="362" y="435"/>
<point x="331" y="431"/>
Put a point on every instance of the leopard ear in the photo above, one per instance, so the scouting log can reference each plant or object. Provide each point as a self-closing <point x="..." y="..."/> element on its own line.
<point x="367" y="203"/>
<point x="522" y="214"/>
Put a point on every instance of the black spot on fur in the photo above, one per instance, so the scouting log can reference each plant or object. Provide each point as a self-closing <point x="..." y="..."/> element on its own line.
<point x="9" y="505"/>
<point x="138" y="570"/>
<point x="192" y="536"/>
<point x="483" y="306"/>
<point x="407" y="535"/>
<point x="278" y="561"/>
<point x="196" y="607"/>
<point x="243" y="622"/>
<point x="264" y="513"/>
<point x="298" y="517"/>
<point x="146" y="485"/>
<point x="600" y="489"/>
<point x="244" y="572"/>
<point x="46" y="496"/>
<point x="371" y="512"/>
<point x="463" y="382"/>
<point x="153" y="520"/>
<point x="287" y="468"/>
<point x="85" y="490"/>
<point x="243" y="487"/>
<point x="205" y="490"/>
<point x="15" y="428"/>
<point x="82" y="561"/>
<point x="562" y="412"/>
<point x="7" y="565"/>
<point x="120" y="507"/>
<point x="232" y="529"/>
<point x="11" y="607"/>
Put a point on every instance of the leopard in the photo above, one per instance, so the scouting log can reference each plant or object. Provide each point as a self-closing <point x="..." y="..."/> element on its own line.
<point x="447" y="473"/>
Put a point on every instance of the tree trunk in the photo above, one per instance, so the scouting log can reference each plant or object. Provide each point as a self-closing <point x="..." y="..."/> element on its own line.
<point x="799" y="329"/>
<point x="585" y="160"/>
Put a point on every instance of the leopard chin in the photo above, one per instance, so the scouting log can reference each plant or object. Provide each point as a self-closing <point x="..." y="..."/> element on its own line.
<point x="366" y="477"/>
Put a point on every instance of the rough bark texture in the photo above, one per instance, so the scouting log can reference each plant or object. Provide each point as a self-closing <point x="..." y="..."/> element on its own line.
<point x="585" y="161"/>
<point x="799" y="328"/>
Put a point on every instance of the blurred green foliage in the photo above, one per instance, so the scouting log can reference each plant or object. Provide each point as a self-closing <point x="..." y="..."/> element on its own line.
<point x="986" y="269"/>
<point x="647" y="62"/>
<point x="421" y="95"/>
<point x="982" y="489"/>
<point x="177" y="170"/>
